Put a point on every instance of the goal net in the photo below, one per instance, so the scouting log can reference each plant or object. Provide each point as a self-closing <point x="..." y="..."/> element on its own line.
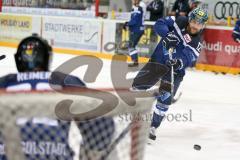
<point x="52" y="125"/>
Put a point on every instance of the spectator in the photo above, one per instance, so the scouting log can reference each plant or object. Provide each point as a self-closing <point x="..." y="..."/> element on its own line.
<point x="144" y="8"/>
<point x="194" y="4"/>
<point x="156" y="8"/>
<point x="180" y="8"/>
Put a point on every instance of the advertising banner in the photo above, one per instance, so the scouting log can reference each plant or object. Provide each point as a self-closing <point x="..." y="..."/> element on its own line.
<point x="220" y="49"/>
<point x="108" y="38"/>
<point x="72" y="33"/>
<point x="49" y="12"/>
<point x="13" y="28"/>
<point x="221" y="9"/>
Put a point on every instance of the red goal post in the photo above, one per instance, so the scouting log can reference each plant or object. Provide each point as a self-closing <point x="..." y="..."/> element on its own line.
<point x="1" y="3"/>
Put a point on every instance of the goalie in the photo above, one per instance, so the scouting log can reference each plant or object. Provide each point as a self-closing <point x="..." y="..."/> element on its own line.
<point x="182" y="35"/>
<point x="42" y="137"/>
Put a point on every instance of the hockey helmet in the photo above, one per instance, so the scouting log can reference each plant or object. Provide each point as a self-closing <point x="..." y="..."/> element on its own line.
<point x="198" y="14"/>
<point x="33" y="53"/>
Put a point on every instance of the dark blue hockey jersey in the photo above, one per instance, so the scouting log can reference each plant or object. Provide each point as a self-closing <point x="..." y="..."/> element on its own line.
<point x="236" y="31"/>
<point x="42" y="138"/>
<point x="137" y="19"/>
<point x="187" y="50"/>
<point x="36" y="81"/>
<point x="47" y="139"/>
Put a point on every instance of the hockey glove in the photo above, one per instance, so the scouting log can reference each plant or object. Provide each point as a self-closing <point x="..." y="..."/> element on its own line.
<point x="170" y="41"/>
<point x="236" y="37"/>
<point x="177" y="64"/>
<point x="125" y="25"/>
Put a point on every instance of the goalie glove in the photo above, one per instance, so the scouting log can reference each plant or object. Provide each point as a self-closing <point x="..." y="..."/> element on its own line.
<point x="170" y="41"/>
<point x="177" y="64"/>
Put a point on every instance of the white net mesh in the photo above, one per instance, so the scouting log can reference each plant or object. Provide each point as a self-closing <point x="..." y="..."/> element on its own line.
<point x="32" y="128"/>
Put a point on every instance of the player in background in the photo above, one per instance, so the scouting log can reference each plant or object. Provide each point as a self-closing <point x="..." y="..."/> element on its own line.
<point x="236" y="32"/>
<point x="42" y="137"/>
<point x="180" y="8"/>
<point x="182" y="35"/>
<point x="136" y="28"/>
<point x="156" y="9"/>
<point x="194" y="4"/>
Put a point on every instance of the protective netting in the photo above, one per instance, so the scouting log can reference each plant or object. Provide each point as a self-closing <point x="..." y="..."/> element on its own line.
<point x="32" y="128"/>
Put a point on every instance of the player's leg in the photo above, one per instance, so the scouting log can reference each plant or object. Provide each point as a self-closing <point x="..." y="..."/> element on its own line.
<point x="133" y="41"/>
<point x="149" y="75"/>
<point x="164" y="100"/>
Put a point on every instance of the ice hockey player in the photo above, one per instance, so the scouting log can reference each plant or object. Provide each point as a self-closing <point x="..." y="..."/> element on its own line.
<point x="156" y="9"/>
<point x="236" y="32"/>
<point x="182" y="35"/>
<point x="33" y="59"/>
<point x="136" y="28"/>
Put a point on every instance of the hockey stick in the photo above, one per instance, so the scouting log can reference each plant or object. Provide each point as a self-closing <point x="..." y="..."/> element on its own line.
<point x="175" y="100"/>
<point x="2" y="57"/>
<point x="170" y="53"/>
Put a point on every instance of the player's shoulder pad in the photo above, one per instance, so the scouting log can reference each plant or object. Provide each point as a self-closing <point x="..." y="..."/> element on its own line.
<point x="7" y="79"/>
<point x="74" y="81"/>
<point x="170" y="20"/>
<point x="182" y="21"/>
<point x="65" y="80"/>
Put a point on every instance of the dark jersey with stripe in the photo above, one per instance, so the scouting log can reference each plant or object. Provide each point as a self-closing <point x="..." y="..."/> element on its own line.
<point x="37" y="81"/>
<point x="42" y="137"/>
<point x="137" y="19"/>
<point x="187" y="50"/>
<point x="48" y="139"/>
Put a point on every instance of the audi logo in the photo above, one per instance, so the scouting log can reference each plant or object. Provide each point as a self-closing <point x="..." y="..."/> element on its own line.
<point x="224" y="9"/>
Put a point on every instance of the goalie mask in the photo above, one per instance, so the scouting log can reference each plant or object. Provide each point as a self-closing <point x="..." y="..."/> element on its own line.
<point x="33" y="54"/>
